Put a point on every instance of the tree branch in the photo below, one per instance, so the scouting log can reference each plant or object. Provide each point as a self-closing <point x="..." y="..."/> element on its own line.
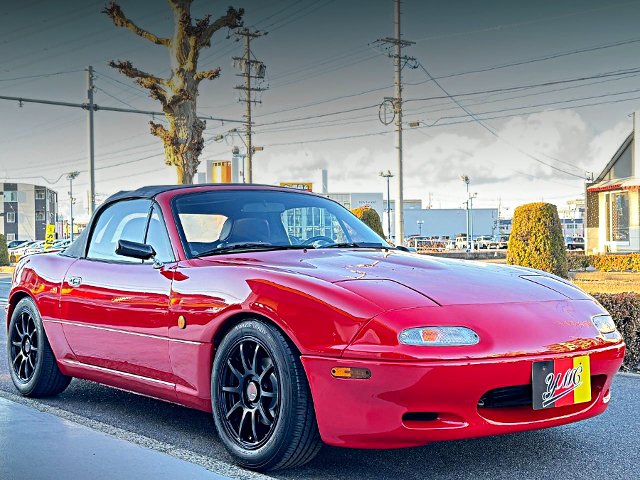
<point x="207" y="74"/>
<point x="144" y="79"/>
<point x="114" y="11"/>
<point x="233" y="19"/>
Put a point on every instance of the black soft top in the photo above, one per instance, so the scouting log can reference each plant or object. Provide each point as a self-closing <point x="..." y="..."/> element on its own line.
<point x="79" y="246"/>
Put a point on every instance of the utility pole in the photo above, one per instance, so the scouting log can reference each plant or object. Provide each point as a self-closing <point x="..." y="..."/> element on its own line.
<point x="388" y="176"/>
<point x="397" y="104"/>
<point x="92" y="180"/>
<point x="250" y="69"/>
<point x="70" y="177"/>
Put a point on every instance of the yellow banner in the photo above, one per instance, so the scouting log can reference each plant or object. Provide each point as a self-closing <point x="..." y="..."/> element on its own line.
<point x="50" y="236"/>
<point x="306" y="186"/>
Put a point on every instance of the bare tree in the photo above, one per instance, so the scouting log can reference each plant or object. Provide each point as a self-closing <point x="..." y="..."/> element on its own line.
<point x="183" y="141"/>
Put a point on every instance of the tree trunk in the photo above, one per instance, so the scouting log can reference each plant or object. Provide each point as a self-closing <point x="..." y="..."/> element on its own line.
<point x="182" y="140"/>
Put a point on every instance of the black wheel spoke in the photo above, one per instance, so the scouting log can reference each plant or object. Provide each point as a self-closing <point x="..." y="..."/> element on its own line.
<point x="231" y="389"/>
<point x="254" y="420"/>
<point x="233" y="409"/>
<point x="244" y="415"/>
<point x="249" y="404"/>
<point x="234" y="370"/>
<point x="263" y="415"/>
<point x="254" y="364"/>
<point x="267" y="368"/>
<point x="17" y="357"/>
<point x="243" y="358"/>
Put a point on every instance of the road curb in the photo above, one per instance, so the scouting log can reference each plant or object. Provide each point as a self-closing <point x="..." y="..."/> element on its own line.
<point x="215" y="466"/>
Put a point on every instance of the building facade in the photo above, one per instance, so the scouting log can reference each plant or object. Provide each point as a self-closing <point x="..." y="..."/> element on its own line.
<point x="26" y="210"/>
<point x="613" y="201"/>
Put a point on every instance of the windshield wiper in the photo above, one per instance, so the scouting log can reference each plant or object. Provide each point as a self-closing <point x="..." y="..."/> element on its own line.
<point x="250" y="247"/>
<point x="354" y="245"/>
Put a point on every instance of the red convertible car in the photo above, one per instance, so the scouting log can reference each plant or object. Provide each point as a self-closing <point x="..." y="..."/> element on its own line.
<point x="295" y="324"/>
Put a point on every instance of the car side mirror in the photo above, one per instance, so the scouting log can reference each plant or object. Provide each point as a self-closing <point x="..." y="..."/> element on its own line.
<point x="142" y="251"/>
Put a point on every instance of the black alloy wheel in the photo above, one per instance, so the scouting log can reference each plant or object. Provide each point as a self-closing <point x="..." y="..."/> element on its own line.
<point x="32" y="364"/>
<point x="24" y="347"/>
<point x="250" y="393"/>
<point x="260" y="398"/>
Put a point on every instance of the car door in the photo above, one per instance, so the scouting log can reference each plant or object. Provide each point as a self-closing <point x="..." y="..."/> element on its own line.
<point x="114" y="309"/>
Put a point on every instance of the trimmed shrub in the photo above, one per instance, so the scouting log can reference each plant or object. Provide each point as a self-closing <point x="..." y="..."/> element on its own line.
<point x="536" y="239"/>
<point x="370" y="218"/>
<point x="614" y="262"/>
<point x="578" y="261"/>
<point x="625" y="311"/>
<point x="4" y="253"/>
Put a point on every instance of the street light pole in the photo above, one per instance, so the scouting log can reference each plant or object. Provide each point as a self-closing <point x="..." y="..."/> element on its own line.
<point x="71" y="176"/>
<point x="420" y="222"/>
<point x="465" y="179"/>
<point x="388" y="176"/>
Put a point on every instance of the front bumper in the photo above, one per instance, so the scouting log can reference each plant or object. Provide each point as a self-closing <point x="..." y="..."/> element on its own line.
<point x="369" y="413"/>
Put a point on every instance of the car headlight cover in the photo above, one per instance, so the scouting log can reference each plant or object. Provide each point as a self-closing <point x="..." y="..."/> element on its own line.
<point x="604" y="323"/>
<point x="438" y="336"/>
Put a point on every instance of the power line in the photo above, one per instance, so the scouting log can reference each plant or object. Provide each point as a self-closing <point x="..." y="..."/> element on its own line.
<point x="535" y="60"/>
<point x="530" y="22"/>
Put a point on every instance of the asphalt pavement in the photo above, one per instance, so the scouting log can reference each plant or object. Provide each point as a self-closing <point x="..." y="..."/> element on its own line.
<point x="601" y="447"/>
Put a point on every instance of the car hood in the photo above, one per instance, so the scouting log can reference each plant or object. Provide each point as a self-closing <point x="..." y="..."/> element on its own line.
<point x="444" y="281"/>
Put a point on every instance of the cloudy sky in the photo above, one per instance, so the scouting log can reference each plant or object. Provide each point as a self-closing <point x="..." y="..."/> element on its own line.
<point x="547" y="89"/>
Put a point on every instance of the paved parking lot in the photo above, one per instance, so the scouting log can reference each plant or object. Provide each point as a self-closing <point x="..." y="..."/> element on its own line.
<point x="602" y="447"/>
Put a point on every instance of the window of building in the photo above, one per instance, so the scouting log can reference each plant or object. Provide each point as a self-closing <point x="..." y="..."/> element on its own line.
<point x="40" y="216"/>
<point x="11" y="217"/>
<point x="618" y="217"/>
<point x="40" y="195"/>
<point x="11" y="196"/>
<point x="11" y="237"/>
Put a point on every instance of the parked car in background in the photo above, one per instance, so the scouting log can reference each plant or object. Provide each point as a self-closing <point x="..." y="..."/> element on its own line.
<point x="17" y="252"/>
<point x="500" y="242"/>
<point x="574" y="243"/>
<point x="483" y="242"/>
<point x="461" y="241"/>
<point x="60" y="244"/>
<point x="36" y="247"/>
<point x="15" y="243"/>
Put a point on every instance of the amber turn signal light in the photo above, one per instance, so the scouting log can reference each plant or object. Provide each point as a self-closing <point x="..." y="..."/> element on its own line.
<point x="351" y="372"/>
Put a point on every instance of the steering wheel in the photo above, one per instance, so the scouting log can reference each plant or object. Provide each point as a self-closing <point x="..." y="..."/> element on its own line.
<point x="319" y="238"/>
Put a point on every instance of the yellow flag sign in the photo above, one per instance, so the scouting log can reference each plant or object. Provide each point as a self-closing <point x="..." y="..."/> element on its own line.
<point x="50" y="236"/>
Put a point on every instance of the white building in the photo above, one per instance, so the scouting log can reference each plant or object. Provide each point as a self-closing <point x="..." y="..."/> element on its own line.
<point x="26" y="210"/>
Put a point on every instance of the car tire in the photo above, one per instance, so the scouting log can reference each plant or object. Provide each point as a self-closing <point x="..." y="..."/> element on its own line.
<point x="272" y="393"/>
<point x="32" y="364"/>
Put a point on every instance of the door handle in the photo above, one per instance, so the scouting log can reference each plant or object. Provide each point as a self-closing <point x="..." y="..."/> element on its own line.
<point x="75" y="281"/>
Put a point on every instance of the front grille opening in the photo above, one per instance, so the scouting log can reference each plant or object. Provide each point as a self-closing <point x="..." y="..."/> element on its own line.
<point x="419" y="416"/>
<point x="516" y="396"/>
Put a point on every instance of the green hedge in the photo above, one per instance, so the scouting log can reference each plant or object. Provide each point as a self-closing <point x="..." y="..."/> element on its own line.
<point x="578" y="261"/>
<point x="536" y="239"/>
<point x="625" y="311"/>
<point x="4" y="254"/>
<point x="613" y="262"/>
<point x="605" y="262"/>
<point x="370" y="218"/>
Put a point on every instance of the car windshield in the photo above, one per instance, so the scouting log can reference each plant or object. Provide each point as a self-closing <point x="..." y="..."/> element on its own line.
<point x="223" y="221"/>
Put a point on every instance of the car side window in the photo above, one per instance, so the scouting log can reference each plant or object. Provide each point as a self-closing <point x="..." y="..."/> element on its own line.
<point x="124" y="220"/>
<point x="158" y="237"/>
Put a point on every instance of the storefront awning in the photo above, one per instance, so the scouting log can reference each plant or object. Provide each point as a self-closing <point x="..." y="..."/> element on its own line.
<point x="629" y="183"/>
